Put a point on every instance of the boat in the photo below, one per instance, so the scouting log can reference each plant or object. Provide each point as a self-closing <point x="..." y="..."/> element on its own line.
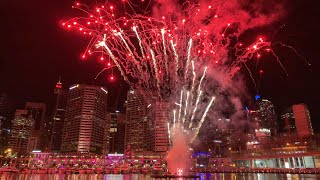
<point x="124" y="169"/>
<point x="98" y="170"/>
<point x="115" y="170"/>
<point x="135" y="171"/>
<point x="52" y="170"/>
<point x="144" y="170"/>
<point x="157" y="169"/>
<point x="39" y="171"/>
<point x="174" y="176"/>
<point x="9" y="169"/>
<point x="107" y="171"/>
<point x="82" y="171"/>
<point x="89" y="171"/>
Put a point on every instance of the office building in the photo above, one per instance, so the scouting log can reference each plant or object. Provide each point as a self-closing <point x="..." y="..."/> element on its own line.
<point x="159" y="138"/>
<point x="267" y="117"/>
<point x="287" y="118"/>
<point x="39" y="139"/>
<point x="22" y="126"/>
<point x="59" y="111"/>
<point x="137" y="114"/>
<point x="116" y="132"/>
<point x="302" y="120"/>
<point x="85" y="119"/>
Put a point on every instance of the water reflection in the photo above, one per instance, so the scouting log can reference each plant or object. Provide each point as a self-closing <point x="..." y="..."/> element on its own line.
<point x="214" y="176"/>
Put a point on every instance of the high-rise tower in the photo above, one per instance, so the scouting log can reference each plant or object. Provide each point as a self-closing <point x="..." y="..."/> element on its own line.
<point x="39" y="137"/>
<point x="137" y="120"/>
<point x="85" y="119"/>
<point x="22" y="126"/>
<point x="302" y="120"/>
<point x="267" y="116"/>
<point x="59" y="111"/>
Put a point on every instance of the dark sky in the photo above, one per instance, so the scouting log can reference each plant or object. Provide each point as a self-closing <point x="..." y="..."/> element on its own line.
<point x="35" y="51"/>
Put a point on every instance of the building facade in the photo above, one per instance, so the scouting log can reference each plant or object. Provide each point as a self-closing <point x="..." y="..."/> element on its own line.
<point x="61" y="97"/>
<point x="159" y="130"/>
<point x="137" y="113"/>
<point x="116" y="132"/>
<point x="40" y="137"/>
<point x="85" y="119"/>
<point x="22" y="126"/>
<point x="267" y="116"/>
<point x="302" y="120"/>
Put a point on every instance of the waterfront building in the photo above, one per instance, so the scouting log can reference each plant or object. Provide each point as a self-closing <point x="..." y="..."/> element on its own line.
<point x="287" y="118"/>
<point x="267" y="116"/>
<point x="61" y="97"/>
<point x="117" y="132"/>
<point x="137" y="113"/>
<point x="22" y="127"/>
<point x="85" y="119"/>
<point x="39" y="139"/>
<point x="302" y="120"/>
<point x="159" y="127"/>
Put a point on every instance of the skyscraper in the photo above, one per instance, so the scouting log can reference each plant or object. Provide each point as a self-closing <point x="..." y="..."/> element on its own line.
<point x="85" y="119"/>
<point x="302" y="120"/>
<point x="137" y="120"/>
<point x="159" y="132"/>
<point x="116" y="136"/>
<point x="287" y="118"/>
<point x="39" y="136"/>
<point x="6" y="115"/>
<point x="267" y="116"/>
<point x="22" y="126"/>
<point x="58" y="117"/>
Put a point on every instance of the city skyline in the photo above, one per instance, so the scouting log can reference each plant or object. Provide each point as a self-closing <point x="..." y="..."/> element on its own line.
<point x="40" y="45"/>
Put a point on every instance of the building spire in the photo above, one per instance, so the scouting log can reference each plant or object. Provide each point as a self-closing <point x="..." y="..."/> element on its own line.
<point x="59" y="84"/>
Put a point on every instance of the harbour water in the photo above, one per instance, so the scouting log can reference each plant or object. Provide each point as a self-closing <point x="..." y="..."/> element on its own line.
<point x="214" y="176"/>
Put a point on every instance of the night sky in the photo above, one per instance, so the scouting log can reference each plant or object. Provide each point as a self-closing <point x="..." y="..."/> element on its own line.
<point x="35" y="51"/>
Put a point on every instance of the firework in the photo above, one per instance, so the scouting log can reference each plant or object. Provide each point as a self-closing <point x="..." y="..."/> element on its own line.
<point x="154" y="52"/>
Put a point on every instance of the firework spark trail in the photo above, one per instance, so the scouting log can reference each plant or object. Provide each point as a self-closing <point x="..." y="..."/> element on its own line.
<point x="176" y="60"/>
<point x="174" y="118"/>
<point x="103" y="44"/>
<point x="188" y="59"/>
<point x="278" y="60"/>
<point x="129" y="49"/>
<point x="295" y="51"/>
<point x="202" y="120"/>
<point x="193" y="81"/>
<point x="169" y="132"/>
<point x="179" y="115"/>
<point x="202" y="77"/>
<point x="185" y="108"/>
<point x="134" y="28"/>
<point x="195" y="109"/>
<point x="156" y="72"/>
<point x="164" y="50"/>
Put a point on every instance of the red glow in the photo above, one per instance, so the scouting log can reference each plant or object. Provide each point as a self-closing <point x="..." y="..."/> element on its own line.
<point x="83" y="56"/>
<point x="101" y="58"/>
<point x="59" y="86"/>
<point x="111" y="77"/>
<point x="109" y="64"/>
<point x="261" y="71"/>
